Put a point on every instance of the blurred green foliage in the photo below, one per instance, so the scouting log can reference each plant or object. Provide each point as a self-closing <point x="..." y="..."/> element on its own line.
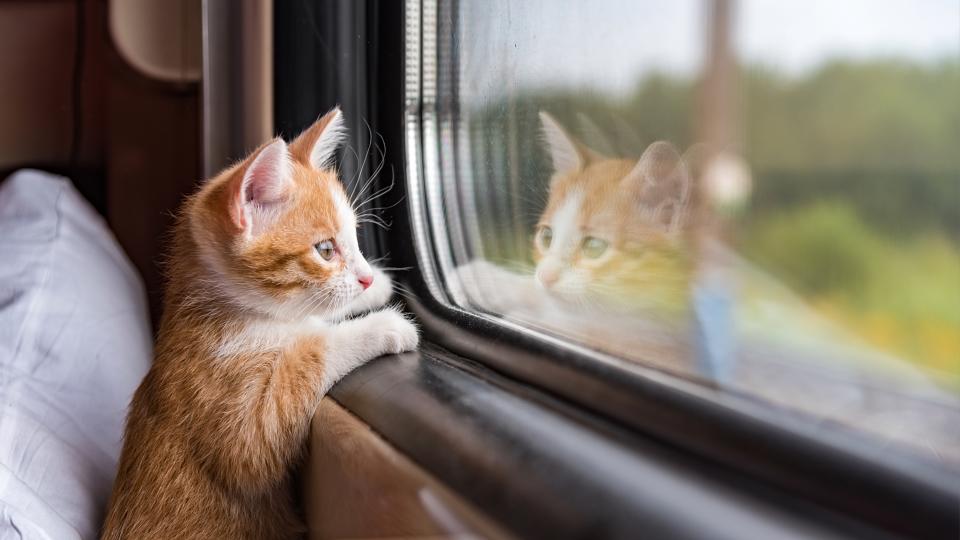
<point x="822" y="247"/>
<point x="902" y="296"/>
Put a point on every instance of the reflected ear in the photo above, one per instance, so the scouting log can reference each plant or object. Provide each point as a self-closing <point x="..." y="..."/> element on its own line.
<point x="264" y="186"/>
<point x="318" y="144"/>
<point x="565" y="153"/>
<point x="660" y="184"/>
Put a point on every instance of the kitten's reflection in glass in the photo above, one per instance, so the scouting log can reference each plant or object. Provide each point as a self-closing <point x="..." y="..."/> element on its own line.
<point x="613" y="252"/>
<point x="615" y="234"/>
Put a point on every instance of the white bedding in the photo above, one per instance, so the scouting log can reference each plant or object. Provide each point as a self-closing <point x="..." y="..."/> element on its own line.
<point x="75" y="342"/>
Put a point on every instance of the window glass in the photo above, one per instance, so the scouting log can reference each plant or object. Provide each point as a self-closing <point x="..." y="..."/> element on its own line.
<point x="759" y="196"/>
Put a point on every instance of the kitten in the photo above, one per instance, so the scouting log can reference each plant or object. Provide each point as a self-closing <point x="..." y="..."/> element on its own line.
<point x="264" y="263"/>
<point x="614" y="253"/>
<point x="616" y="233"/>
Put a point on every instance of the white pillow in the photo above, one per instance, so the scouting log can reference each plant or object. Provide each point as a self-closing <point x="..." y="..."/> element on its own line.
<point x="75" y="342"/>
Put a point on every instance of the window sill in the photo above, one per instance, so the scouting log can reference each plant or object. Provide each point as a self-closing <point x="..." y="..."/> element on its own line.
<point x="540" y="468"/>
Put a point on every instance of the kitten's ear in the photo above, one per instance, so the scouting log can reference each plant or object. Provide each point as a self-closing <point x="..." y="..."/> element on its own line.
<point x="565" y="153"/>
<point x="265" y="184"/>
<point x="317" y="145"/>
<point x="660" y="184"/>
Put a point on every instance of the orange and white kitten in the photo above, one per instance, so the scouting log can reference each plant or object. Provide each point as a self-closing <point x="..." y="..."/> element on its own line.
<point x="264" y="268"/>
<point x="615" y="237"/>
<point x="616" y="234"/>
<point x="614" y="253"/>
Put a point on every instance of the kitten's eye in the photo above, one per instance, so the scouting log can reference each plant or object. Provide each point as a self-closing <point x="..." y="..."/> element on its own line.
<point x="327" y="249"/>
<point x="593" y="247"/>
<point x="544" y="237"/>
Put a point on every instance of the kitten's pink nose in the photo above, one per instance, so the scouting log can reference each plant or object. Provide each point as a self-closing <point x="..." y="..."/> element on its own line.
<point x="365" y="281"/>
<point x="548" y="276"/>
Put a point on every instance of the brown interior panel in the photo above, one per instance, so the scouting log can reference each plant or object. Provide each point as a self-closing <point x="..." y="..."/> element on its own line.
<point x="36" y="63"/>
<point x="73" y="105"/>
<point x="355" y="485"/>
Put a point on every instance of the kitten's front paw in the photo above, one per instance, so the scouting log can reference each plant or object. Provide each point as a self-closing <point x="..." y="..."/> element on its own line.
<point x="397" y="334"/>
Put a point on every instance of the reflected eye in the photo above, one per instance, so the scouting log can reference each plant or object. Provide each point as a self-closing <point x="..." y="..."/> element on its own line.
<point x="593" y="247"/>
<point x="327" y="249"/>
<point x="544" y="238"/>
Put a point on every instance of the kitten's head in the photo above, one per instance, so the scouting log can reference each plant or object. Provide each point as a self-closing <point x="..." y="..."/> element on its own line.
<point x="278" y="230"/>
<point x="613" y="229"/>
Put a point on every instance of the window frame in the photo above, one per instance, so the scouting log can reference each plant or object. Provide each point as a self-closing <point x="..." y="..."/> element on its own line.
<point x="837" y="468"/>
<point x="377" y="70"/>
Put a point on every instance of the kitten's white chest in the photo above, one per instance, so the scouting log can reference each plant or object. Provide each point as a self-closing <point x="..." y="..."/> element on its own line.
<point x="258" y="336"/>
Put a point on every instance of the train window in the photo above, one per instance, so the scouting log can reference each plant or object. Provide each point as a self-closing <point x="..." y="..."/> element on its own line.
<point x="759" y="197"/>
